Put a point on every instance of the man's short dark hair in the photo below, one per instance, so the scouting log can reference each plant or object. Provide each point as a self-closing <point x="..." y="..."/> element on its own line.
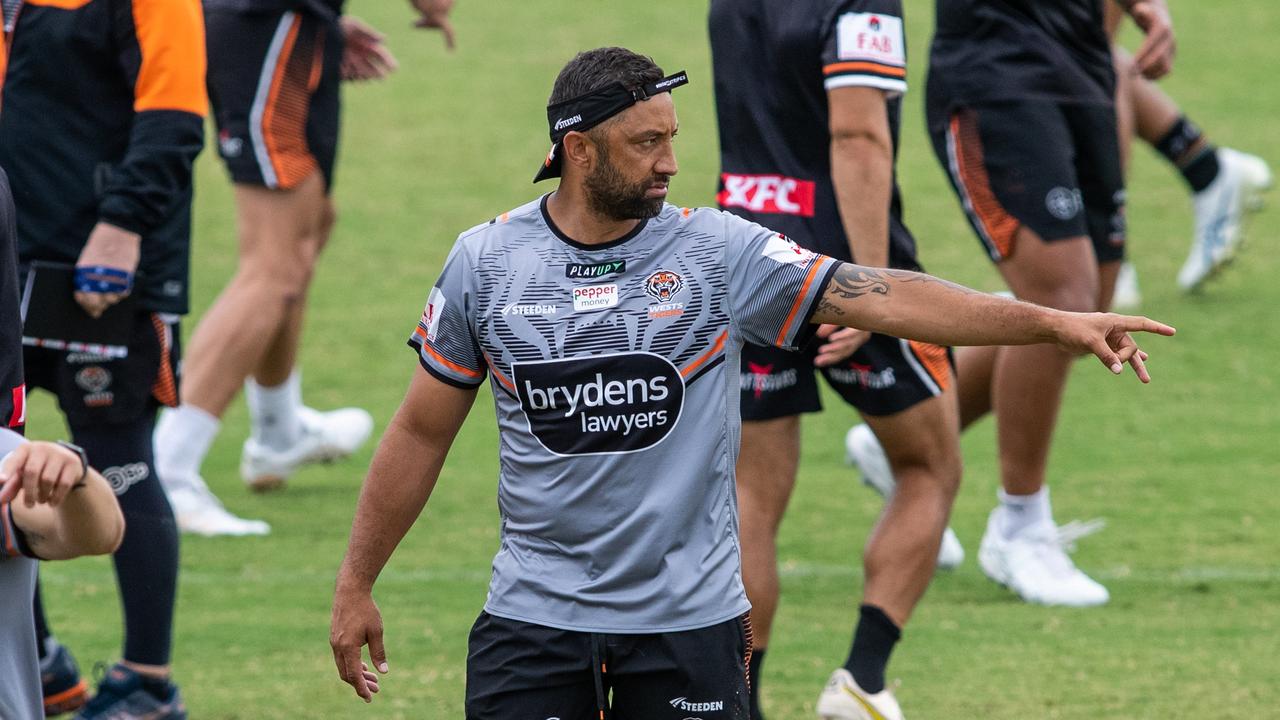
<point x="594" y="69"/>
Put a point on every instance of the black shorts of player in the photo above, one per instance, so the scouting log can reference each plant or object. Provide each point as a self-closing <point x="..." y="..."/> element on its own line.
<point x="1049" y="166"/>
<point x="273" y="82"/>
<point x="521" y="670"/>
<point x="96" y="390"/>
<point x="885" y="376"/>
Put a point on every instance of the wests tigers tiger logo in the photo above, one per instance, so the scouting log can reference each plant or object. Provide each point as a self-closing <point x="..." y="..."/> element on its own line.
<point x="663" y="285"/>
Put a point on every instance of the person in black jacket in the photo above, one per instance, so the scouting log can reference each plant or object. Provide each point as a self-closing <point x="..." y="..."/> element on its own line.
<point x="102" y="117"/>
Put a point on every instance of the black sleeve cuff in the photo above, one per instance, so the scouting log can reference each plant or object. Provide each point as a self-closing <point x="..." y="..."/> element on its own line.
<point x="808" y="330"/>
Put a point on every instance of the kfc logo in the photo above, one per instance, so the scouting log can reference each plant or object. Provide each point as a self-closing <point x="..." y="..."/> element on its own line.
<point x="767" y="194"/>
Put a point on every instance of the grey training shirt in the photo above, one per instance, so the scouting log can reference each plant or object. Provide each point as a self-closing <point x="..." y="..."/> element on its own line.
<point x="615" y="377"/>
<point x="20" y="696"/>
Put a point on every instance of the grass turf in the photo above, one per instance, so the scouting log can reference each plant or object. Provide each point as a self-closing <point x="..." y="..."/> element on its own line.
<point x="1182" y="469"/>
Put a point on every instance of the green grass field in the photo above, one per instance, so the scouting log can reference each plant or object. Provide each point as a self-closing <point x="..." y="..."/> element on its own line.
<point x="1183" y="470"/>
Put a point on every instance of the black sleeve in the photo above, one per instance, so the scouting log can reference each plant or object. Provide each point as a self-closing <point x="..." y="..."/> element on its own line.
<point x="162" y="54"/>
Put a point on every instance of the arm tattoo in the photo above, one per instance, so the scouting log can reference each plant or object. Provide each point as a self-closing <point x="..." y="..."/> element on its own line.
<point x="851" y="282"/>
<point x="906" y="276"/>
<point x="826" y="307"/>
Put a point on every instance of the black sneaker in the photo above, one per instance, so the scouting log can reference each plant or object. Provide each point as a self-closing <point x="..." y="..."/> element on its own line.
<point x="122" y="696"/>
<point x="64" y="690"/>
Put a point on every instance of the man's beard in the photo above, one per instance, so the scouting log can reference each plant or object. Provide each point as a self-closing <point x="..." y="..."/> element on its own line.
<point x="610" y="195"/>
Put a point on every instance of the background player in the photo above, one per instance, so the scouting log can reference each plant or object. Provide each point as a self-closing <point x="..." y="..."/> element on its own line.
<point x="808" y="140"/>
<point x="1029" y="148"/>
<point x="101" y="121"/>
<point x="619" y="570"/>
<point x="1224" y="183"/>
<point x="275" y="68"/>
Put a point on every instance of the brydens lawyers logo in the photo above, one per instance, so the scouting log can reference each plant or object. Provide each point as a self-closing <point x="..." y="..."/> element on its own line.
<point x="600" y="404"/>
<point x="767" y="194"/>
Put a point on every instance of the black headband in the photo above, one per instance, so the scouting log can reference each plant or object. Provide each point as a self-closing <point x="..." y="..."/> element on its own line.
<point x="590" y="109"/>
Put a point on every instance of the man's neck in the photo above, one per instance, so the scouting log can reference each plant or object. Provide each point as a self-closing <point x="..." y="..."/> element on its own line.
<point x="570" y="212"/>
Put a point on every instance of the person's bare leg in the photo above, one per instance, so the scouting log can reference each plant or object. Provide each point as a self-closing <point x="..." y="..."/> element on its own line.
<point x="767" y="464"/>
<point x="280" y="233"/>
<point x="282" y="355"/>
<point x="1029" y="379"/>
<point x="975" y="368"/>
<point x="1126" y="120"/>
<point x="922" y="445"/>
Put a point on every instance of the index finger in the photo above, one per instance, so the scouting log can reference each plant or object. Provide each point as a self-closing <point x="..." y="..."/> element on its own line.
<point x="11" y="473"/>
<point x="1133" y="323"/>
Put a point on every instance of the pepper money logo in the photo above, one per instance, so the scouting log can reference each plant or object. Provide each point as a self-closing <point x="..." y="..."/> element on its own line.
<point x="600" y="404"/>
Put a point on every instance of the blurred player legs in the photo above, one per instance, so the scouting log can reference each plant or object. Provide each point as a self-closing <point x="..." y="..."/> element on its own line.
<point x="281" y="161"/>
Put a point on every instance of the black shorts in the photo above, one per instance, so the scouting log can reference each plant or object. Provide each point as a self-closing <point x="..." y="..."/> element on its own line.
<point x="885" y="376"/>
<point x="521" y="670"/>
<point x="273" y="82"/>
<point x="93" y="389"/>
<point x="1053" y="167"/>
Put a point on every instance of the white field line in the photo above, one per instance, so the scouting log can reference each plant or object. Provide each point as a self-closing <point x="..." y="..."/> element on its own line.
<point x="1116" y="574"/>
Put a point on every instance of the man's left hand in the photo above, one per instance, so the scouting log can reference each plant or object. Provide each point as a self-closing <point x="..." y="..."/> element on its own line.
<point x="112" y="248"/>
<point x="44" y="471"/>
<point x="1106" y="336"/>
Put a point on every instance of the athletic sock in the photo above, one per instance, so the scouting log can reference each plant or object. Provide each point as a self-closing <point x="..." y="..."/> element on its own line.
<point x="1184" y="145"/>
<point x="873" y="642"/>
<point x="753" y="676"/>
<point x="273" y="411"/>
<point x="183" y="437"/>
<point x="1019" y="512"/>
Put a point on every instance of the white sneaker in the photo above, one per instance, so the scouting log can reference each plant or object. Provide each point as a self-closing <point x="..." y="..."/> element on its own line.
<point x="1034" y="564"/>
<point x="842" y="699"/>
<point x="325" y="437"/>
<point x="1126" y="297"/>
<point x="1219" y="209"/>
<point x="198" y="511"/>
<point x="863" y="451"/>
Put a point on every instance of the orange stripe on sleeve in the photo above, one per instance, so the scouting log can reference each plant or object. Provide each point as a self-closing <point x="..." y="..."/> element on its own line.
<point x="476" y="374"/>
<point x="864" y="67"/>
<point x="716" y="347"/>
<point x="800" y="296"/>
<point x="171" y="39"/>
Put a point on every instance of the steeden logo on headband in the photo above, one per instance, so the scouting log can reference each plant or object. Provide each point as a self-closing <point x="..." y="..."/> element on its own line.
<point x="566" y="122"/>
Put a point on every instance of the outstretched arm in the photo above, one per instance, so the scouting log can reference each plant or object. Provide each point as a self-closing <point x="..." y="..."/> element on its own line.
<point x="922" y="307"/>
<point x="401" y="477"/>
